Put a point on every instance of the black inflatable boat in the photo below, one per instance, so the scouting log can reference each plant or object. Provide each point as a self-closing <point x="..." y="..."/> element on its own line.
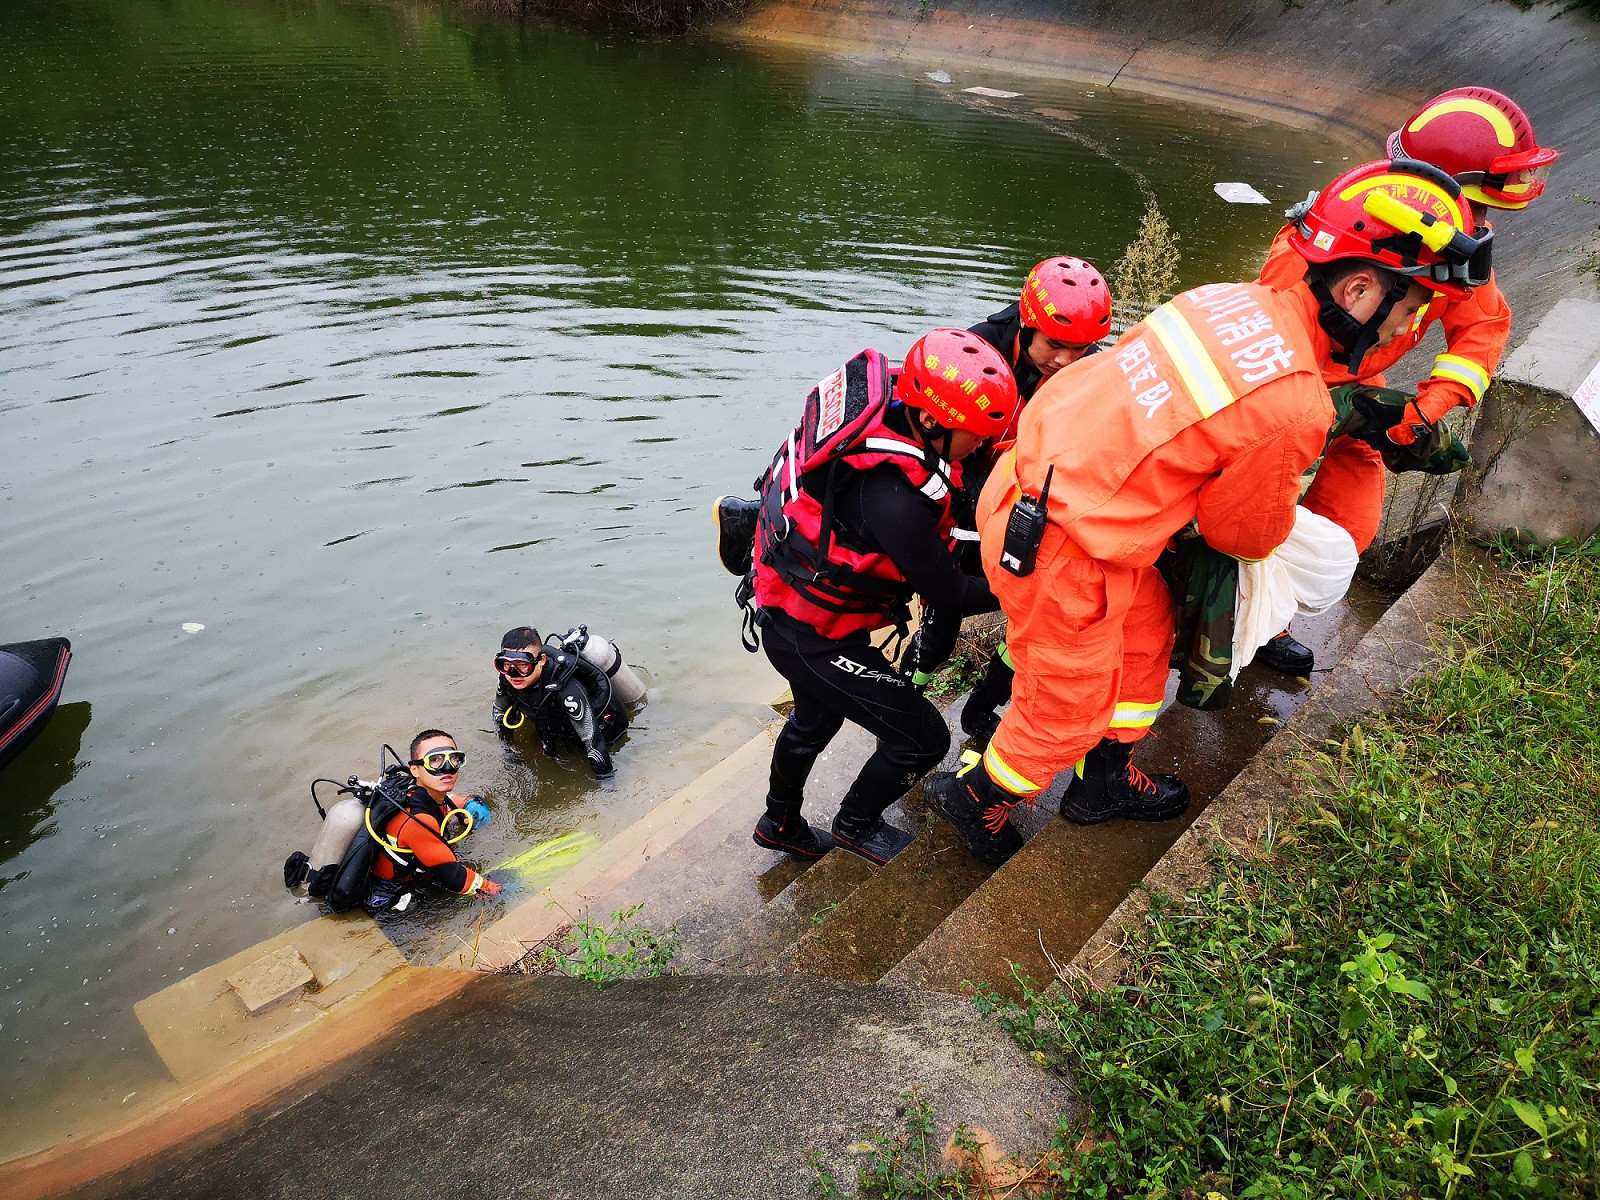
<point x="31" y="675"/>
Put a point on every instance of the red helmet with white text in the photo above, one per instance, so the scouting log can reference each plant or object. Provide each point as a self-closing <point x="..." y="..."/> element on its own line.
<point x="1484" y="140"/>
<point x="1067" y="300"/>
<point x="961" y="380"/>
<point x="1404" y="215"/>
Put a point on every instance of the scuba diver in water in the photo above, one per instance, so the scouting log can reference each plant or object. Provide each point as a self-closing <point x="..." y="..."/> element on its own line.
<point x="569" y="698"/>
<point x="416" y="844"/>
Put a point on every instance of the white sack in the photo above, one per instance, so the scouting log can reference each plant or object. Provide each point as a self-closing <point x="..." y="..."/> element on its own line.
<point x="1309" y="573"/>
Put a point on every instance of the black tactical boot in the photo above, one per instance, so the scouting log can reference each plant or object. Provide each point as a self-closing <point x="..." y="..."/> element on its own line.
<point x="1285" y="654"/>
<point x="791" y="834"/>
<point x="861" y="829"/>
<point x="979" y="719"/>
<point x="736" y="532"/>
<point x="1106" y="785"/>
<point x="976" y="808"/>
<point x="875" y="840"/>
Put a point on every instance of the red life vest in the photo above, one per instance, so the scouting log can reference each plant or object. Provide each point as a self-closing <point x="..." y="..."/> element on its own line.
<point x="802" y="568"/>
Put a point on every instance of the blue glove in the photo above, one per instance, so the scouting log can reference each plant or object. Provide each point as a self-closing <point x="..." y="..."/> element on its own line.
<point x="479" y="811"/>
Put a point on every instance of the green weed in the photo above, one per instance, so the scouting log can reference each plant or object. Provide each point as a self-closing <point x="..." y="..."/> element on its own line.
<point x="1403" y="999"/>
<point x="623" y="950"/>
<point x="1147" y="272"/>
<point x="905" y="1165"/>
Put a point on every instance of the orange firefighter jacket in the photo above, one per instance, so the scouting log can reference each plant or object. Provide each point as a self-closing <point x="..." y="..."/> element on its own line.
<point x="1209" y="409"/>
<point x="1475" y="331"/>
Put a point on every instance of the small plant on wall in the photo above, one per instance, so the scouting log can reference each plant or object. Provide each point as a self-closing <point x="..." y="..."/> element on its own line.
<point x="1147" y="272"/>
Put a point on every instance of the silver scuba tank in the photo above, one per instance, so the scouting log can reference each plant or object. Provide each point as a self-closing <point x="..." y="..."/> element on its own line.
<point x="625" y="682"/>
<point x="344" y="820"/>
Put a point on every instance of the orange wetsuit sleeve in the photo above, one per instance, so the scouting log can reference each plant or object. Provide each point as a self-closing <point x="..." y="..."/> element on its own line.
<point x="1475" y="332"/>
<point x="419" y="833"/>
<point x="1247" y="509"/>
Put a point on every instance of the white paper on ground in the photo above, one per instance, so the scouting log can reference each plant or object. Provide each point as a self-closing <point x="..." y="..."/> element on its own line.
<point x="1309" y="573"/>
<point x="992" y="93"/>
<point x="1239" y="193"/>
<point x="938" y="76"/>
<point x="1587" y="397"/>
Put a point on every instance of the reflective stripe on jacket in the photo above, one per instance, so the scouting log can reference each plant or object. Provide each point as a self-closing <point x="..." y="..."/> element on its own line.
<point x="1209" y="409"/>
<point x="1475" y="330"/>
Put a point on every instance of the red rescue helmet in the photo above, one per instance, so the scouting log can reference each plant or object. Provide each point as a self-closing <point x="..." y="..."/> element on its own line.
<point x="1067" y="300"/>
<point x="1484" y="140"/>
<point x="1404" y="215"/>
<point x="959" y="379"/>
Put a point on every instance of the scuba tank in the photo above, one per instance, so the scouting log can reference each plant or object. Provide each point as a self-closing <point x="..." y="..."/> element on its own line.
<point x="337" y="869"/>
<point x="339" y="828"/>
<point x="604" y="654"/>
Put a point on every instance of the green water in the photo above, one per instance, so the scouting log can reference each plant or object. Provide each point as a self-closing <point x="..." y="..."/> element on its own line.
<point x="359" y="333"/>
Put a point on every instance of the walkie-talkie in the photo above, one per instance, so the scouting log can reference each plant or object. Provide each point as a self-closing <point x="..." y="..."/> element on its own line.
<point x="1025" y="530"/>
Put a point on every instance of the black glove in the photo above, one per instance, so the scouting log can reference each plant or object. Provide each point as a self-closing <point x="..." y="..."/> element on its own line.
<point x="1367" y="413"/>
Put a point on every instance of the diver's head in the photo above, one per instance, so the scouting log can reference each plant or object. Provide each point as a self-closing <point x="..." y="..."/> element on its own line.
<point x="521" y="658"/>
<point x="435" y="761"/>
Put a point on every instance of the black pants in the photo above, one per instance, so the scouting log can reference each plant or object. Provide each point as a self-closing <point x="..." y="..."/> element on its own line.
<point x="849" y="679"/>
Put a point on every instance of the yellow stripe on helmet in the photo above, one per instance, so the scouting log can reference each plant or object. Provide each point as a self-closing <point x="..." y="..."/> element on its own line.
<point x="1501" y="124"/>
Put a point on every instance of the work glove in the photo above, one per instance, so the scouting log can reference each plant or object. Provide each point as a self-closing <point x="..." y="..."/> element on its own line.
<point x="1436" y="399"/>
<point x="1376" y="415"/>
<point x="478" y="811"/>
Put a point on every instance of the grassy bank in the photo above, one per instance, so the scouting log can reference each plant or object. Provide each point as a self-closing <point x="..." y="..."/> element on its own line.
<point x="1403" y="998"/>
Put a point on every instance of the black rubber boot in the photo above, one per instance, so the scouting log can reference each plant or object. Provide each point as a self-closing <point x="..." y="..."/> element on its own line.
<point x="736" y="532"/>
<point x="1285" y="654"/>
<point x="1106" y="785"/>
<point x="861" y="829"/>
<point x="875" y="840"/>
<point x="790" y="833"/>
<point x="979" y="718"/>
<point x="977" y="809"/>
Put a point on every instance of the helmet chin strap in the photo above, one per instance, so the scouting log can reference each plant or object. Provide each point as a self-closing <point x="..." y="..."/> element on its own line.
<point x="1354" y="338"/>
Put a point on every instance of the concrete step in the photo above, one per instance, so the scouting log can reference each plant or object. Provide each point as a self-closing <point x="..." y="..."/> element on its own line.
<point x="1038" y="909"/>
<point x="818" y="895"/>
<point x="789" y="916"/>
<point x="1041" y="907"/>
<point x="876" y="925"/>
<point x="715" y="878"/>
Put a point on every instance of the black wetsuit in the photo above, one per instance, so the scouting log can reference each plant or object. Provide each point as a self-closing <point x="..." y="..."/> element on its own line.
<point x="1003" y="330"/>
<point x="571" y="704"/>
<point x="839" y="679"/>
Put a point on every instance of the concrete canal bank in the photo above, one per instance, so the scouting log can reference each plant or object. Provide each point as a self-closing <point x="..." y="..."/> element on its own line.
<point x="718" y="1086"/>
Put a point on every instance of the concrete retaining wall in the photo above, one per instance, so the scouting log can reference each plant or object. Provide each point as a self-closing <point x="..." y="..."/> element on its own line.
<point x="1355" y="68"/>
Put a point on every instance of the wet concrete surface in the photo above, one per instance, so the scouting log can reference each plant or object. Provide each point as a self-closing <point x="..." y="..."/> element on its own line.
<point x="1043" y="905"/>
<point x="716" y="878"/>
<point x="533" y="1088"/>
<point x="791" y="915"/>
<point x="880" y="922"/>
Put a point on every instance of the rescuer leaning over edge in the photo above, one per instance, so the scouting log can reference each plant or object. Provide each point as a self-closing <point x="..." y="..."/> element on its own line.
<point x="1209" y="410"/>
<point x="855" y="520"/>
<point x="1484" y="141"/>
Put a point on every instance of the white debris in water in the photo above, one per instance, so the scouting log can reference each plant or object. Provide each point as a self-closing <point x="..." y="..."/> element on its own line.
<point x="992" y="93"/>
<point x="192" y="627"/>
<point x="1239" y="193"/>
<point x="938" y="76"/>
